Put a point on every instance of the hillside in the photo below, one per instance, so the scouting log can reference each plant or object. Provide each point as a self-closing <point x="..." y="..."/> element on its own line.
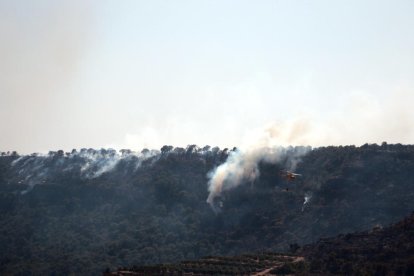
<point x="86" y="210"/>
<point x="381" y="251"/>
<point x="387" y="251"/>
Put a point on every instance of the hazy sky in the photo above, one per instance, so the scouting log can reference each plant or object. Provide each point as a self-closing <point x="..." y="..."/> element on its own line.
<point x="135" y="74"/>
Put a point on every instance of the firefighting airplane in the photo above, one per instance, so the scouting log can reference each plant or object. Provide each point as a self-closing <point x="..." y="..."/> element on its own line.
<point x="290" y="176"/>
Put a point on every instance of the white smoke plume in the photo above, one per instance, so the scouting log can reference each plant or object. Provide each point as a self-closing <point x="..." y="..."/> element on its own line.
<point x="268" y="145"/>
<point x="306" y="200"/>
<point x="87" y="163"/>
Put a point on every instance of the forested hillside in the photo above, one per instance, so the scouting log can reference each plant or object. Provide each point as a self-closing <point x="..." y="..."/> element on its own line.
<point x="379" y="251"/>
<point x="87" y="210"/>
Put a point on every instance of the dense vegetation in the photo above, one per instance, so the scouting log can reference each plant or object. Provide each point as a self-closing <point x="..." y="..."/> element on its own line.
<point x="380" y="251"/>
<point x="81" y="212"/>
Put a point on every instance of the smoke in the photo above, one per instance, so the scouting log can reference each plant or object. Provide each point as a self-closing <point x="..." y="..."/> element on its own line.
<point x="307" y="198"/>
<point x="43" y="44"/>
<point x="35" y="169"/>
<point x="95" y="163"/>
<point x="31" y="170"/>
<point x="267" y="145"/>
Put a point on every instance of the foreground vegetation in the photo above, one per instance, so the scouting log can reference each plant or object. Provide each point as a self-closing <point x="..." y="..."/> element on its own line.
<point x="388" y="251"/>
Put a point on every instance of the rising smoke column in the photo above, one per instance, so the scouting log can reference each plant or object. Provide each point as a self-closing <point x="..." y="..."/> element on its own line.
<point x="35" y="169"/>
<point x="266" y="146"/>
<point x="239" y="166"/>
<point x="306" y="199"/>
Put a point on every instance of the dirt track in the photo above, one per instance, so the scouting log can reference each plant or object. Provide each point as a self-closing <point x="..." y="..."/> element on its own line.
<point x="267" y="270"/>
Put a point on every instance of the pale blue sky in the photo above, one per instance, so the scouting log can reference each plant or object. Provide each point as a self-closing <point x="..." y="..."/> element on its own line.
<point x="146" y="73"/>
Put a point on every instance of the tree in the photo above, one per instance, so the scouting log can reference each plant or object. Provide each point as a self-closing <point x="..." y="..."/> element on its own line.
<point x="166" y="149"/>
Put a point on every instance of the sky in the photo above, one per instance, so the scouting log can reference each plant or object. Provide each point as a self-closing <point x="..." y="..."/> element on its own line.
<point x="142" y="74"/>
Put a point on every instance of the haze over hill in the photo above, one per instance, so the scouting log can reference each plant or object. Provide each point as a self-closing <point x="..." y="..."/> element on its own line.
<point x="108" y="108"/>
<point x="146" y="74"/>
<point x="83" y="211"/>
